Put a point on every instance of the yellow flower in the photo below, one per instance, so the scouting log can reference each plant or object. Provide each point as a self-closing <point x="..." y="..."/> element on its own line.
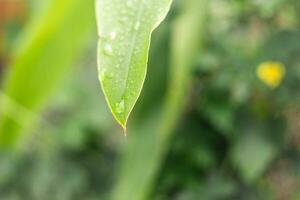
<point x="271" y="73"/>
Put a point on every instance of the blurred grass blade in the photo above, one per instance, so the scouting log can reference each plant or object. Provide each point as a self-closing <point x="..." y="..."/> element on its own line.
<point x="43" y="56"/>
<point x="125" y="28"/>
<point x="148" y="143"/>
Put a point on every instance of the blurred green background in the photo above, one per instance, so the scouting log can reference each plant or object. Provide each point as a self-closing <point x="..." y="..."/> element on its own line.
<point x="219" y="120"/>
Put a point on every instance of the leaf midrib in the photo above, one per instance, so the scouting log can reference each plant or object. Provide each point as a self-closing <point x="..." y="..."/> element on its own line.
<point x="128" y="62"/>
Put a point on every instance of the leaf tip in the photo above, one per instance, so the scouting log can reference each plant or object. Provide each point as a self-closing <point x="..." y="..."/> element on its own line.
<point x="125" y="131"/>
<point x="122" y="122"/>
<point x="124" y="127"/>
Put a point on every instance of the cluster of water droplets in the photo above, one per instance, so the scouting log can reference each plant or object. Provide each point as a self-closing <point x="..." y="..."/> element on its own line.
<point x="107" y="43"/>
<point x="120" y="107"/>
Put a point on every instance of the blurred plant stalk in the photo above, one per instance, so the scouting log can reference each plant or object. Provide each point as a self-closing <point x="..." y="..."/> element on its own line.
<point x="149" y="142"/>
<point x="44" y="55"/>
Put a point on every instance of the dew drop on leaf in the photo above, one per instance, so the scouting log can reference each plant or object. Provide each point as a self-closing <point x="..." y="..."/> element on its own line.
<point x="120" y="107"/>
<point x="113" y="35"/>
<point x="107" y="48"/>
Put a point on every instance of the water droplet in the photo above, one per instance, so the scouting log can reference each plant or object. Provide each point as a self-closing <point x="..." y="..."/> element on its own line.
<point x="137" y="26"/>
<point x="120" y="107"/>
<point x="106" y="75"/>
<point x="113" y="35"/>
<point x="107" y="49"/>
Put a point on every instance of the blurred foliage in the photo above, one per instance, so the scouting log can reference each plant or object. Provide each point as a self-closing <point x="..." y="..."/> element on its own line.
<point x="42" y="40"/>
<point x="235" y="138"/>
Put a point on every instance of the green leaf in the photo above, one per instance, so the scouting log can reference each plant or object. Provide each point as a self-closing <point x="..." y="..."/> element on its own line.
<point x="125" y="28"/>
<point x="251" y="155"/>
<point x="44" y="55"/>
